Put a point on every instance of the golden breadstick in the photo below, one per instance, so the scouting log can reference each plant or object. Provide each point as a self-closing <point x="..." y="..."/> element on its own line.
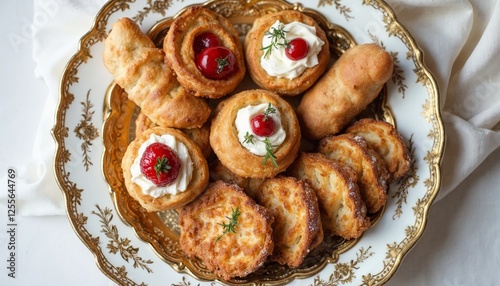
<point x="345" y="90"/>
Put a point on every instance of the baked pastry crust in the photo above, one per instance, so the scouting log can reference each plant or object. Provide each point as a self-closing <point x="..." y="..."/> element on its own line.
<point x="200" y="135"/>
<point x="197" y="184"/>
<point x="297" y="221"/>
<point x="343" y="212"/>
<point x="254" y="52"/>
<point x="355" y="152"/>
<point x="219" y="172"/>
<point x="227" y="147"/>
<point x="387" y="141"/>
<point x="138" y="67"/>
<point x="234" y="254"/>
<point x="345" y="90"/>
<point x="180" y="56"/>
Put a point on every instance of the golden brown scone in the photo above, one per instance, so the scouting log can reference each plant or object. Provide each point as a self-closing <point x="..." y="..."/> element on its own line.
<point x="297" y="221"/>
<point x="354" y="152"/>
<point x="254" y="52"/>
<point x="200" y="135"/>
<point x="236" y="157"/>
<point x="345" y="90"/>
<point x="387" y="141"/>
<point x="219" y="172"/>
<point x="138" y="67"/>
<point x="196" y="185"/>
<point x="343" y="212"/>
<point x="233" y="254"/>
<point x="180" y="56"/>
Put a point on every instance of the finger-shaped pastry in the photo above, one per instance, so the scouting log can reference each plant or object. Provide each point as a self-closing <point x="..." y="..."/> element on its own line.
<point x="297" y="220"/>
<point x="200" y="136"/>
<point x="226" y="230"/>
<point x="139" y="68"/>
<point x="286" y="52"/>
<point x="343" y="212"/>
<point x="345" y="90"/>
<point x="204" y="50"/>
<point x="355" y="152"/>
<point x="387" y="141"/>
<point x="255" y="133"/>
<point x="163" y="169"/>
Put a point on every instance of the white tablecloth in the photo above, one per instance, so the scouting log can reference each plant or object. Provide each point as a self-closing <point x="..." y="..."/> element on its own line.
<point x="461" y="245"/>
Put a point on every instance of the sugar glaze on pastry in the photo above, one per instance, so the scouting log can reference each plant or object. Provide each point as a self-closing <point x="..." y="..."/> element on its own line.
<point x="185" y="173"/>
<point x="276" y="63"/>
<point x="243" y="125"/>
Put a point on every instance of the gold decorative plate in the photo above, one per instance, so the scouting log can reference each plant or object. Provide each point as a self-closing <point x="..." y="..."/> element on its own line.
<point x="95" y="123"/>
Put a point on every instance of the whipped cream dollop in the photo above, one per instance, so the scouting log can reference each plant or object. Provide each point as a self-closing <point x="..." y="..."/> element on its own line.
<point x="278" y="64"/>
<point x="244" y="127"/>
<point x="185" y="172"/>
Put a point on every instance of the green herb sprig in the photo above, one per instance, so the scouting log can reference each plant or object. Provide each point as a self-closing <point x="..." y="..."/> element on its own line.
<point x="268" y="111"/>
<point x="231" y="226"/>
<point x="249" y="139"/>
<point x="278" y="39"/>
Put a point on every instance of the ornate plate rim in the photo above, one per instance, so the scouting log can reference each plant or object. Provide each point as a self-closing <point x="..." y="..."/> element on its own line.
<point x="73" y="193"/>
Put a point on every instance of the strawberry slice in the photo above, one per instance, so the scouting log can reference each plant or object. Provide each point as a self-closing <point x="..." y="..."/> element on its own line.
<point x="160" y="164"/>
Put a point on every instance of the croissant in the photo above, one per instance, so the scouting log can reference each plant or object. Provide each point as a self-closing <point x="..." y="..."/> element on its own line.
<point x="138" y="67"/>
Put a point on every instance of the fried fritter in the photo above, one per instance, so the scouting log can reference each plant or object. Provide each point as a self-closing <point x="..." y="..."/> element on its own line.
<point x="228" y="253"/>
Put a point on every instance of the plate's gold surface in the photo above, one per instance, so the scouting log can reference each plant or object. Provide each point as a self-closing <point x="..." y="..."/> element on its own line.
<point x="161" y="229"/>
<point x="410" y="100"/>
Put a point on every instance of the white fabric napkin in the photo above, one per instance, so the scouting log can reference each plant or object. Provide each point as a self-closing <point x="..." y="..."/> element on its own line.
<point x="461" y="46"/>
<point x="54" y="42"/>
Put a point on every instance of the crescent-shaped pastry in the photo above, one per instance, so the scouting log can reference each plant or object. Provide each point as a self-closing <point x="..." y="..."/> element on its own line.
<point x="234" y="153"/>
<point x="345" y="90"/>
<point x="180" y="54"/>
<point x="254" y="52"/>
<point x="197" y="183"/>
<point x="138" y="67"/>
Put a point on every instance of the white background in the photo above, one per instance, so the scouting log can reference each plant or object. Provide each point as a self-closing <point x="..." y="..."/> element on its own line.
<point x="461" y="245"/>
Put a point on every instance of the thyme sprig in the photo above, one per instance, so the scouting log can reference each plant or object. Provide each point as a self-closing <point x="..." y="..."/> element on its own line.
<point x="278" y="39"/>
<point x="231" y="226"/>
<point x="249" y="139"/>
<point x="269" y="152"/>
<point x="269" y="110"/>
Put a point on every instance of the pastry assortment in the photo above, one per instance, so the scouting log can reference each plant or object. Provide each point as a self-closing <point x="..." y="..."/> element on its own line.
<point x="259" y="181"/>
